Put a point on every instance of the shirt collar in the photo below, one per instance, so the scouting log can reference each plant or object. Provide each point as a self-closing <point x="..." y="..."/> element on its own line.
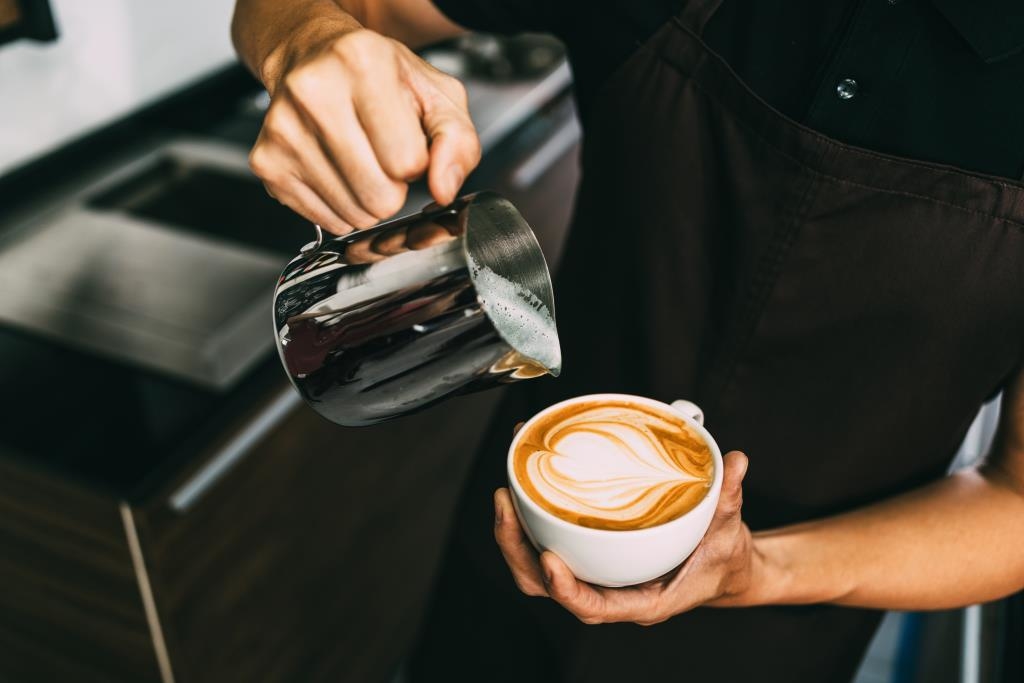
<point x="993" y="28"/>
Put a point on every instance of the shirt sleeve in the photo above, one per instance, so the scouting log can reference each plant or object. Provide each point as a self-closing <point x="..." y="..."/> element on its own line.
<point x="506" y="17"/>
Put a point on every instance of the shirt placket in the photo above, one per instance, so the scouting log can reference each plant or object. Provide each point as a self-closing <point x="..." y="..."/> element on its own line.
<point x="864" y="68"/>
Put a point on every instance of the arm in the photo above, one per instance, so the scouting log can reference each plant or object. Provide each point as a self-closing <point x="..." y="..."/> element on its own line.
<point x="355" y="115"/>
<point x="955" y="542"/>
<point x="952" y="543"/>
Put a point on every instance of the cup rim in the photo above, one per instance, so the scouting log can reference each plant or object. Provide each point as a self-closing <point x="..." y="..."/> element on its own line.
<point x="710" y="498"/>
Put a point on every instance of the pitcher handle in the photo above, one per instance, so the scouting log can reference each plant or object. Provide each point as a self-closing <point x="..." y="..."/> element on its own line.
<point x="316" y="243"/>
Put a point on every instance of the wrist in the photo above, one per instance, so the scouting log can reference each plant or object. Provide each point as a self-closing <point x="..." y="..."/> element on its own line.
<point x="299" y="42"/>
<point x="771" y="572"/>
<point x="764" y="581"/>
<point x="794" y="567"/>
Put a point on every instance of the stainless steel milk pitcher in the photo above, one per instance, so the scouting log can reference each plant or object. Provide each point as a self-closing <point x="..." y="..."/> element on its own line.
<point x="388" y="320"/>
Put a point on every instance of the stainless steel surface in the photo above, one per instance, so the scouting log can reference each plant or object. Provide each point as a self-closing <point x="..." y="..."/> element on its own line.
<point x="533" y="168"/>
<point x="974" y="448"/>
<point x="970" y="645"/>
<point x="492" y="57"/>
<point x="233" y="452"/>
<point x="499" y="108"/>
<point x="135" y="290"/>
<point x="385" y="321"/>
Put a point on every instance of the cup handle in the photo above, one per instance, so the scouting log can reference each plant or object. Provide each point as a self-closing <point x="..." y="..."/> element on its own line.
<point x="689" y="409"/>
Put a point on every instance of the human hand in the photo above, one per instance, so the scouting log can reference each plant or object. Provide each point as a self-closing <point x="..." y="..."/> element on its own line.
<point x="353" y="119"/>
<point x="720" y="571"/>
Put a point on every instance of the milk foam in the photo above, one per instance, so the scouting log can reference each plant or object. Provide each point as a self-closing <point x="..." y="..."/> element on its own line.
<point x="523" y="320"/>
<point x="617" y="468"/>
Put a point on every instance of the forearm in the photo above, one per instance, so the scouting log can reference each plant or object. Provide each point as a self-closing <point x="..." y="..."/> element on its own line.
<point x="952" y="543"/>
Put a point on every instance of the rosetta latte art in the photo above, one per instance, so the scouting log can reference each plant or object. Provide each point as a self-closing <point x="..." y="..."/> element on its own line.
<point x="614" y="465"/>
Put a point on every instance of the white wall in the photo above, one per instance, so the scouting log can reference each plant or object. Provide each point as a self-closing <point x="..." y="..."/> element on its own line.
<point x="111" y="57"/>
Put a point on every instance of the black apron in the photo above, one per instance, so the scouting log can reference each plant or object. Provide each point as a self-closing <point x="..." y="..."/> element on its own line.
<point x="839" y="314"/>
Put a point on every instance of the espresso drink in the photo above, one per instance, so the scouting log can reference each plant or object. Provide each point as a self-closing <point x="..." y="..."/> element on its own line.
<point x="613" y="464"/>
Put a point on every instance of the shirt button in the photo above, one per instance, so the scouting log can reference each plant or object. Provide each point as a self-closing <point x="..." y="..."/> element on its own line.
<point x="846" y="89"/>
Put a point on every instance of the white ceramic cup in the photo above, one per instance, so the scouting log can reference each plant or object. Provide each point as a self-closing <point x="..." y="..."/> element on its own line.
<point x="619" y="558"/>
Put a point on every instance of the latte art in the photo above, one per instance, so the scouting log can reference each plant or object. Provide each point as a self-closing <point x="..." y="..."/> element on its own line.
<point x="613" y="465"/>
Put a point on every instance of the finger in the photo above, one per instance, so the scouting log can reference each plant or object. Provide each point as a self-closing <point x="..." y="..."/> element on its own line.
<point x="595" y="605"/>
<point x="301" y="199"/>
<point x="582" y="599"/>
<point x="331" y="113"/>
<point x="322" y="178"/>
<point x="515" y="548"/>
<point x="285" y="130"/>
<point x="731" y="499"/>
<point x="270" y="163"/>
<point x="519" y="425"/>
<point x="454" y="146"/>
<point x="454" y="152"/>
<point x="390" y="116"/>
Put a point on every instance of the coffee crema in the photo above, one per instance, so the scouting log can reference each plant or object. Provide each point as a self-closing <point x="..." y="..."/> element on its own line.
<point x="613" y="465"/>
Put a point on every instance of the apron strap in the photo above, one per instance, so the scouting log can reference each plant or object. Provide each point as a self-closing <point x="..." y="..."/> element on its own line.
<point x="695" y="14"/>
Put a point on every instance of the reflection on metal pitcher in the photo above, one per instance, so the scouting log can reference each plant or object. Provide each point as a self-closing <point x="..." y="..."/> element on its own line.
<point x="384" y="321"/>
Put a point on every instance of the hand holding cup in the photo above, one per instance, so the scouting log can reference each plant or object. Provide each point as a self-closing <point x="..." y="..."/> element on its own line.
<point x="718" y="572"/>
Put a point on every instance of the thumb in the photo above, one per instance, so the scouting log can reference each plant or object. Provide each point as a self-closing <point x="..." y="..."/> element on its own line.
<point x="454" y="146"/>
<point x="731" y="500"/>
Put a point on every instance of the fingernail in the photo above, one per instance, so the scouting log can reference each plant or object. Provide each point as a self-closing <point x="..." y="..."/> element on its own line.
<point x="547" y="574"/>
<point x="498" y="513"/>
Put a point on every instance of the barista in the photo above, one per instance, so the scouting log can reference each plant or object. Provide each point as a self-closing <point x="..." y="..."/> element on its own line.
<point x="816" y="212"/>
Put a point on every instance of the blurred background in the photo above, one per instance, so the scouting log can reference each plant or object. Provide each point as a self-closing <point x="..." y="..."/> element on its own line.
<point x="168" y="510"/>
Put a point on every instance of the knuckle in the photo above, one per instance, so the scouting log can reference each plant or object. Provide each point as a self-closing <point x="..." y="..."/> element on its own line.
<point x="299" y="82"/>
<point x="304" y="83"/>
<point x="466" y="141"/>
<point x="264" y="166"/>
<point x="528" y="588"/>
<point x="456" y="91"/>
<point x="472" y="144"/>
<point x="504" y="538"/>
<point x="258" y="162"/>
<point x="409" y="163"/>
<point x="275" y="129"/>
<point x="732" y="508"/>
<point x="359" y="50"/>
